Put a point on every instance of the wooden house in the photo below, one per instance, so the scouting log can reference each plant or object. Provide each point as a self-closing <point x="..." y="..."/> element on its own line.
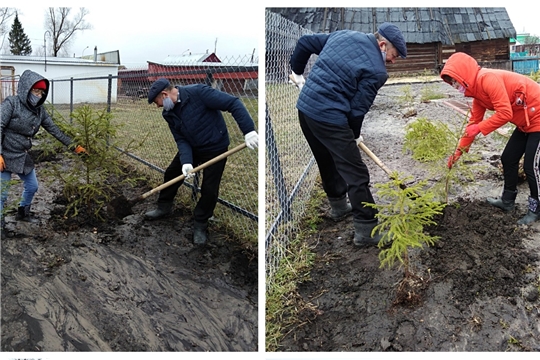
<point x="431" y="34"/>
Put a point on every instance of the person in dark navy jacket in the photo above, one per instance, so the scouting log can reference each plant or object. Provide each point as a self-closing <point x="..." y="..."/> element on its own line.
<point x="194" y="115"/>
<point x="340" y="89"/>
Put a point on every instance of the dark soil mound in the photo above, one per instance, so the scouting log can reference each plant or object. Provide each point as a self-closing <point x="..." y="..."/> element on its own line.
<point x="475" y="290"/>
<point x="481" y="252"/>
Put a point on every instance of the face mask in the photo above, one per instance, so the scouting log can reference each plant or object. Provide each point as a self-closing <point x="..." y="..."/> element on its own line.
<point x="167" y="104"/>
<point x="383" y="53"/>
<point x="461" y="89"/>
<point x="33" y="99"/>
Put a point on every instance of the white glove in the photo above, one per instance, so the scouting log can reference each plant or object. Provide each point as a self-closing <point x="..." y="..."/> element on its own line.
<point x="186" y="168"/>
<point x="359" y="140"/>
<point x="252" y="140"/>
<point x="297" y="80"/>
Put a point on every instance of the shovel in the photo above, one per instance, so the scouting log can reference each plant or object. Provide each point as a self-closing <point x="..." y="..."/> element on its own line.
<point x="121" y="207"/>
<point x="380" y="163"/>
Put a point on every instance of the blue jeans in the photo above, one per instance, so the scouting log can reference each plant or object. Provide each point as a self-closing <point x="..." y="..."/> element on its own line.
<point x="30" y="186"/>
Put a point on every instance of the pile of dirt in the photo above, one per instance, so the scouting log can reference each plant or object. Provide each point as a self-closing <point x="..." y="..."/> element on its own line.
<point x="476" y="289"/>
<point x="481" y="252"/>
<point x="76" y="284"/>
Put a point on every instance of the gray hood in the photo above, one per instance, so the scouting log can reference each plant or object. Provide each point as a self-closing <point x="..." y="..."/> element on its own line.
<point x="27" y="80"/>
<point x="20" y="122"/>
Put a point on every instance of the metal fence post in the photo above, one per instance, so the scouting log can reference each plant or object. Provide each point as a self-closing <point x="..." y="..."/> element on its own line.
<point x="109" y="93"/>
<point x="52" y="91"/>
<point x="275" y="166"/>
<point x="71" y="105"/>
<point x="109" y="100"/>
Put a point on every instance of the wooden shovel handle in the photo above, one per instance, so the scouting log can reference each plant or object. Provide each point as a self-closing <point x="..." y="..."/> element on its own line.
<point x="198" y="168"/>
<point x="374" y="158"/>
<point x="381" y="165"/>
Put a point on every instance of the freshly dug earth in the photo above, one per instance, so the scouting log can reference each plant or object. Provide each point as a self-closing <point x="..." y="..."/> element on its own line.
<point x="476" y="289"/>
<point x="123" y="285"/>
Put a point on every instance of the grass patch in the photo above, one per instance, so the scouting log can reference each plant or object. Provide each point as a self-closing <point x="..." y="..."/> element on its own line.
<point x="406" y="97"/>
<point x="429" y="93"/>
<point x="535" y="75"/>
<point x="282" y="299"/>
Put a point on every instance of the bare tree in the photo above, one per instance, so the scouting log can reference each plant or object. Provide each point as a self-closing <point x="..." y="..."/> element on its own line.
<point x="531" y="40"/>
<point x="5" y="14"/>
<point x="62" y="29"/>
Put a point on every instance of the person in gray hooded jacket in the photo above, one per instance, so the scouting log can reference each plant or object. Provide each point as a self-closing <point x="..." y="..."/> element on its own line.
<point x="22" y="117"/>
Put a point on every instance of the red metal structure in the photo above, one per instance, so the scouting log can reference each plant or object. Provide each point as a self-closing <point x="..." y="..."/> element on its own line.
<point x="191" y="69"/>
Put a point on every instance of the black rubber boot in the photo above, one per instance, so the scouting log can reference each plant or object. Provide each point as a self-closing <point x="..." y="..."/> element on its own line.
<point x="200" y="233"/>
<point x="362" y="233"/>
<point x="339" y="208"/>
<point x="533" y="213"/>
<point x="163" y="210"/>
<point x="506" y="202"/>
<point x="23" y="214"/>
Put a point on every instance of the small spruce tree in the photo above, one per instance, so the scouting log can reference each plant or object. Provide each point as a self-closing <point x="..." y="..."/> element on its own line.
<point x="431" y="142"/>
<point x="428" y="140"/>
<point x="403" y="215"/>
<point x="90" y="182"/>
<point x="19" y="43"/>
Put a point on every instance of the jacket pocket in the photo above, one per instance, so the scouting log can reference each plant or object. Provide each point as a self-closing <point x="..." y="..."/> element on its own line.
<point x="519" y="99"/>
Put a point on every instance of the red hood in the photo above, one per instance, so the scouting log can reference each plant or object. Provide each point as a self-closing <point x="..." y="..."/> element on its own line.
<point x="464" y="69"/>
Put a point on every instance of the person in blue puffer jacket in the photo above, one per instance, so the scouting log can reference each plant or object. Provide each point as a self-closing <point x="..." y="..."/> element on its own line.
<point x="341" y="87"/>
<point x="195" y="119"/>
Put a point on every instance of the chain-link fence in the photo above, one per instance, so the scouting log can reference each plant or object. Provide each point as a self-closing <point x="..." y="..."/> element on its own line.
<point x="125" y="96"/>
<point x="291" y="170"/>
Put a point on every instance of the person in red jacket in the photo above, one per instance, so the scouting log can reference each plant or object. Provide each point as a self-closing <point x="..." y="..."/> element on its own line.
<point x="514" y="98"/>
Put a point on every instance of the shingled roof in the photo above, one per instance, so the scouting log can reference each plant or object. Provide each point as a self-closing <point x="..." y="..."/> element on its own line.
<point x="448" y="26"/>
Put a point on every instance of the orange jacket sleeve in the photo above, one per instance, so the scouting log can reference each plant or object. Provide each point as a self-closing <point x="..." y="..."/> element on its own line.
<point x="465" y="143"/>
<point x="491" y="90"/>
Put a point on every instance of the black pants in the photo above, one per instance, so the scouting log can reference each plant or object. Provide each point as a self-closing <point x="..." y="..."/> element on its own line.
<point x="520" y="144"/>
<point x="209" y="187"/>
<point x="340" y="164"/>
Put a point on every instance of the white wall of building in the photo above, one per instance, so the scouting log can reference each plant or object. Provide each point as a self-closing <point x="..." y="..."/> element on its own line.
<point x="57" y="70"/>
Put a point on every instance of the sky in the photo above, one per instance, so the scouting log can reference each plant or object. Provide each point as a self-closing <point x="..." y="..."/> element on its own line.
<point x="524" y="19"/>
<point x="151" y="33"/>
